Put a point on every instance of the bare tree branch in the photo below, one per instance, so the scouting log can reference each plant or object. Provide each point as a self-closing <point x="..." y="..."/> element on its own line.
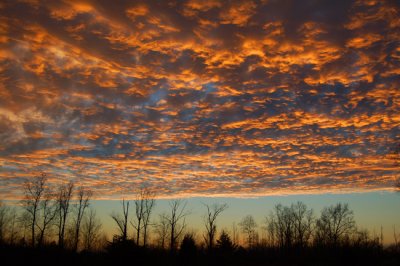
<point x="176" y="221"/>
<point x="91" y="229"/>
<point x="63" y="201"/>
<point x="336" y="223"/>
<point x="33" y="191"/>
<point x="161" y="229"/>
<point x="83" y="199"/>
<point x="144" y="205"/>
<point x="48" y="213"/>
<point x="122" y="222"/>
<point x="249" y="226"/>
<point x="210" y="222"/>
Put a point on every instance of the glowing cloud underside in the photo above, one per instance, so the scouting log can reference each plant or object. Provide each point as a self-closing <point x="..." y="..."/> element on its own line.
<point x="200" y="97"/>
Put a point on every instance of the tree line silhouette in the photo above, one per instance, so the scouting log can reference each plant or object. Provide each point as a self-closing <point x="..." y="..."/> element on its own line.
<point x="59" y="222"/>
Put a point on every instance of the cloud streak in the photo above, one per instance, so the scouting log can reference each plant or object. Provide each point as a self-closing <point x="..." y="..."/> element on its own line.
<point x="200" y="97"/>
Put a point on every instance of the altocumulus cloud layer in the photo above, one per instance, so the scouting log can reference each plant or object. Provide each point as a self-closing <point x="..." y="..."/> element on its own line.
<point x="200" y="97"/>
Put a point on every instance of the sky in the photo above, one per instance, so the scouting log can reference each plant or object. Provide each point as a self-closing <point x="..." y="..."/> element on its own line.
<point x="193" y="99"/>
<point x="372" y="211"/>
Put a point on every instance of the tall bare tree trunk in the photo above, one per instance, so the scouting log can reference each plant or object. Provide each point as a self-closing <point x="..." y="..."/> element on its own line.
<point x="176" y="221"/>
<point x="91" y="229"/>
<point x="33" y="191"/>
<point x="82" y="204"/>
<point x="144" y="204"/>
<point x="149" y="205"/>
<point x="210" y="222"/>
<point x="63" y="201"/>
<point x="122" y="222"/>
<point x="48" y="214"/>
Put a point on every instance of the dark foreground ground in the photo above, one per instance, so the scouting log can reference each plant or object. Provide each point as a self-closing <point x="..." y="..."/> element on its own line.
<point x="12" y="255"/>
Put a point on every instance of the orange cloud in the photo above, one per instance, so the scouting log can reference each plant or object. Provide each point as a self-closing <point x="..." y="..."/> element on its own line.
<point x="238" y="13"/>
<point x="200" y="97"/>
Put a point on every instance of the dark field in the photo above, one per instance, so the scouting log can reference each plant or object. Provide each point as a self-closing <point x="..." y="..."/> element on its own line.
<point x="129" y="254"/>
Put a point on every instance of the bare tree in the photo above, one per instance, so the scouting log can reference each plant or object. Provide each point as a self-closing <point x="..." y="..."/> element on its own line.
<point x="82" y="203"/>
<point x="122" y="222"/>
<point x="395" y="237"/>
<point x="335" y="224"/>
<point x="33" y="191"/>
<point x="4" y="220"/>
<point x="161" y="229"/>
<point x="144" y="205"/>
<point x="210" y="219"/>
<point x="249" y="226"/>
<point x="285" y="226"/>
<point x="13" y="231"/>
<point x="91" y="229"/>
<point x="24" y="222"/>
<point x="303" y="219"/>
<point x="235" y="234"/>
<point x="8" y="223"/>
<point x="149" y="205"/>
<point x="176" y="221"/>
<point x="63" y="208"/>
<point x="271" y="225"/>
<point x="139" y="213"/>
<point x="48" y="213"/>
<point x="289" y="226"/>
